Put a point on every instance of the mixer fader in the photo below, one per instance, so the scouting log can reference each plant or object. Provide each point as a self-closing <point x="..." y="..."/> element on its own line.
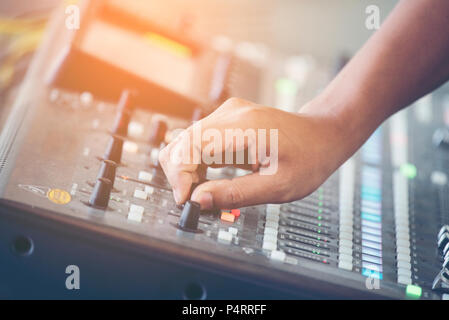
<point x="80" y="183"/>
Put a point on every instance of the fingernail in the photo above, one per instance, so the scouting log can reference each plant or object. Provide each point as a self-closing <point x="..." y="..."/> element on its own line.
<point x="205" y="200"/>
<point x="176" y="195"/>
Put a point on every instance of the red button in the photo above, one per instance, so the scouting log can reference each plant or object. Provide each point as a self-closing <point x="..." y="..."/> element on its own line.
<point x="236" y="212"/>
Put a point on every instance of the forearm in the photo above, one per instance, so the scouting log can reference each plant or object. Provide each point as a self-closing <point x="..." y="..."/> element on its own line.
<point x="407" y="58"/>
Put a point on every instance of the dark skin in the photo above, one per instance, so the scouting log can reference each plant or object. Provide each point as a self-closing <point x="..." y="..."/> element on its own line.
<point x="404" y="60"/>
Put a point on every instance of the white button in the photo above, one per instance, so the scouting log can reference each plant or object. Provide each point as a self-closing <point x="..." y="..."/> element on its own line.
<point x="346" y="243"/>
<point x="271" y="231"/>
<point x="271" y="224"/>
<point x="136" y="208"/>
<point x="154" y="155"/>
<point x="224" y="236"/>
<point x="273" y="208"/>
<point x="130" y="147"/>
<point x="135" y="213"/>
<point x="403" y="257"/>
<point x="403" y="251"/>
<point x="345" y="250"/>
<point x="346" y="229"/>
<point x="346" y="222"/>
<point x="272" y="217"/>
<point x="404" y="280"/>
<point x="145" y="176"/>
<point x="439" y="178"/>
<point x="86" y="99"/>
<point x="345" y="257"/>
<point x="233" y="230"/>
<point x="135" y="129"/>
<point x="278" y="256"/>
<point x="346" y="235"/>
<point x="139" y="194"/>
<point x="269" y="246"/>
<point x="404" y="272"/>
<point x="270" y="238"/>
<point x="403" y="243"/>
<point x="404" y="265"/>
<point x="345" y="265"/>
<point x="403" y="236"/>
<point x="149" y="190"/>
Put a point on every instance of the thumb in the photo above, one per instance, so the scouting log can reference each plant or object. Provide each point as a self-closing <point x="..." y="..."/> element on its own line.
<point x="235" y="193"/>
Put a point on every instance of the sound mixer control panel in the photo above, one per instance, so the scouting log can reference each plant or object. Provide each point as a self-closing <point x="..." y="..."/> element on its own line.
<point x="379" y="216"/>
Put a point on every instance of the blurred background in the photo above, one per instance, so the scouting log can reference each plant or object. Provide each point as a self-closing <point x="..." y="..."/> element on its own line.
<point x="323" y="29"/>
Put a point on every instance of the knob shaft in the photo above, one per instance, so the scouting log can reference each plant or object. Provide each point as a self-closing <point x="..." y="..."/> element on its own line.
<point x="107" y="170"/>
<point x="101" y="193"/>
<point x="443" y="229"/>
<point x="125" y="108"/>
<point x="157" y="133"/>
<point x="441" y="138"/>
<point x="114" y="150"/>
<point x="190" y="216"/>
<point x="443" y="240"/>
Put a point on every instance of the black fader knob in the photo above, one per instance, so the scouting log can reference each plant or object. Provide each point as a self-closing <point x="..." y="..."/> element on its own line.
<point x="101" y="194"/>
<point x="443" y="229"/>
<point x="190" y="217"/>
<point x="125" y="108"/>
<point x="441" y="138"/>
<point x="446" y="263"/>
<point x="443" y="240"/>
<point x="157" y="133"/>
<point x="446" y="250"/>
<point x="107" y="170"/>
<point x="114" y="150"/>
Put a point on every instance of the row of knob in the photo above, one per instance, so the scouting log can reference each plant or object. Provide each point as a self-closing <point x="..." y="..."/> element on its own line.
<point x="105" y="180"/>
<point x="112" y="157"/>
<point x="441" y="282"/>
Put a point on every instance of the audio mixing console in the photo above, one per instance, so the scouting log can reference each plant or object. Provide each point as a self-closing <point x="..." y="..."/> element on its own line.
<point x="80" y="185"/>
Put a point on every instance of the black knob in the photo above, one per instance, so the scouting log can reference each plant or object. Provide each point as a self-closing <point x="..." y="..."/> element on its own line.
<point x="446" y="250"/>
<point x="121" y="124"/>
<point x="443" y="240"/>
<point x="125" y="108"/>
<point x="190" y="216"/>
<point x="446" y="263"/>
<point x="114" y="150"/>
<point x="441" y="282"/>
<point x="443" y="229"/>
<point x="101" y="193"/>
<point x="445" y="273"/>
<point x="157" y="133"/>
<point x="107" y="170"/>
<point x="441" y="138"/>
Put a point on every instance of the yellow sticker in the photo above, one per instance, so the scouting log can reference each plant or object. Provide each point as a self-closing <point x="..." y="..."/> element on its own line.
<point x="59" y="196"/>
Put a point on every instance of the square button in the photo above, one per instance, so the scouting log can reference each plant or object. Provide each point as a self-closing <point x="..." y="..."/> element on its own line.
<point x="139" y="194"/>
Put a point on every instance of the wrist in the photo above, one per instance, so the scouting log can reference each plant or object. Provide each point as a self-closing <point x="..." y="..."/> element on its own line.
<point x="349" y="122"/>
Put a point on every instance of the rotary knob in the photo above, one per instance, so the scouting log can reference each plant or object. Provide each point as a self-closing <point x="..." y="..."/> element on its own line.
<point x="107" y="170"/>
<point x="158" y="132"/>
<point x="101" y="194"/>
<point x="114" y="150"/>
<point x="441" y="138"/>
<point x="443" y="240"/>
<point x="125" y="108"/>
<point x="190" y="217"/>
<point x="443" y="229"/>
